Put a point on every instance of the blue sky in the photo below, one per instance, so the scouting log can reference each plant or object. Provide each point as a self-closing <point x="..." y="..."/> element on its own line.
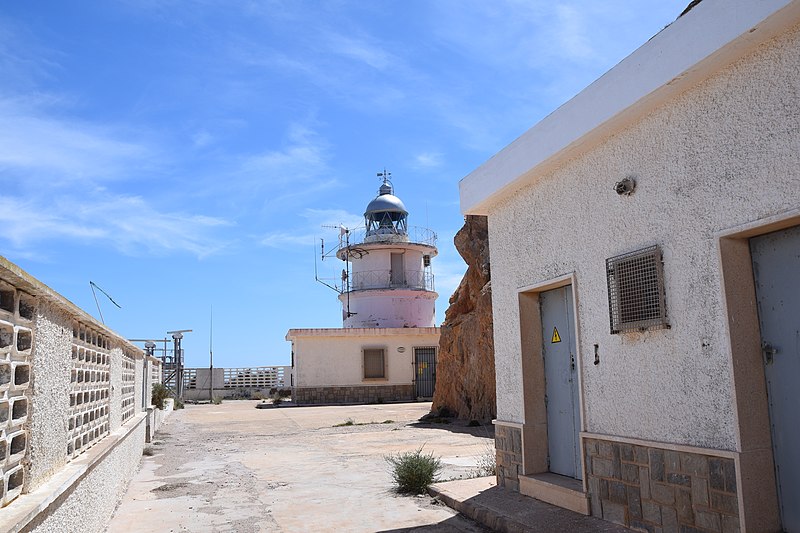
<point x="184" y="154"/>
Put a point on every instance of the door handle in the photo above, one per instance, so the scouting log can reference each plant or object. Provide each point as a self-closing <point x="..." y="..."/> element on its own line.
<point x="769" y="352"/>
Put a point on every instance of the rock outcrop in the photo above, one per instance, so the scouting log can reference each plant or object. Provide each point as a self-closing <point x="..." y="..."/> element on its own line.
<point x="465" y="382"/>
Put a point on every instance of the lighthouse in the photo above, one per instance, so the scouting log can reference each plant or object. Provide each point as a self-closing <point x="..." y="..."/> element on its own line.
<point x="388" y="279"/>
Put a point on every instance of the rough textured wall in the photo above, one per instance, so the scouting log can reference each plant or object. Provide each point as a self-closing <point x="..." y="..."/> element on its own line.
<point x="465" y="382"/>
<point x="721" y="154"/>
<point x="92" y="501"/>
<point x="51" y="363"/>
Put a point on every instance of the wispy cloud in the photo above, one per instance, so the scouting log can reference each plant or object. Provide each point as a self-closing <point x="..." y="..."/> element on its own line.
<point x="304" y="157"/>
<point x="317" y="223"/>
<point x="427" y="160"/>
<point x="63" y="150"/>
<point x="361" y="50"/>
<point x="128" y="224"/>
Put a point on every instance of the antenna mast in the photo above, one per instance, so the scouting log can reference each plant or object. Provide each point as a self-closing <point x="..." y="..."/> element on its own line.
<point x="94" y="285"/>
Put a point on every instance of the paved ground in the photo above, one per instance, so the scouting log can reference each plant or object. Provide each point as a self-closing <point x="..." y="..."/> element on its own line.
<point x="232" y="467"/>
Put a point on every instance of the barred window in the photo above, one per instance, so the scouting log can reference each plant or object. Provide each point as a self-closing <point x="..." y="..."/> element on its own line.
<point x="374" y="364"/>
<point x="636" y="291"/>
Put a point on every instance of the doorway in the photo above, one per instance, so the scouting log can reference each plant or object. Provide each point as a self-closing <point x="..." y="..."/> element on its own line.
<point x="425" y="375"/>
<point x="561" y="382"/>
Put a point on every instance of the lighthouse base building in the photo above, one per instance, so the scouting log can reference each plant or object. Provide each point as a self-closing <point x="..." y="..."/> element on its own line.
<point x="363" y="365"/>
<point x="386" y="351"/>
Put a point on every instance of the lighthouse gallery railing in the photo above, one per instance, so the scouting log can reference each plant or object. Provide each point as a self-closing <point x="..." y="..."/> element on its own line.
<point x="382" y="279"/>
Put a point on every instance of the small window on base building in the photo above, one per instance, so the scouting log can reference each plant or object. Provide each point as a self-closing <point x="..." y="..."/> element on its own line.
<point x="374" y="364"/>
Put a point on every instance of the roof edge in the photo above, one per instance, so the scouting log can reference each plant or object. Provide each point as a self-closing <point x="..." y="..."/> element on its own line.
<point x="711" y="36"/>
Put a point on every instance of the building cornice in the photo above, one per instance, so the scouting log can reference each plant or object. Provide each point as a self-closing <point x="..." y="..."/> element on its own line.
<point x="714" y="34"/>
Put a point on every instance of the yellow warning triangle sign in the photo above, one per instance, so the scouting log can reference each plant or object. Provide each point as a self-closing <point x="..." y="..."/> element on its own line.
<point x="556" y="337"/>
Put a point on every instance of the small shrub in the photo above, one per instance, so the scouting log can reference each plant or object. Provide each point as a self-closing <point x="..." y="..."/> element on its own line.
<point x="277" y="399"/>
<point x="216" y="400"/>
<point x="258" y="395"/>
<point x="412" y="472"/>
<point x="178" y="404"/>
<point x="348" y="422"/>
<point x="159" y="394"/>
<point x="148" y="451"/>
<point x="285" y="393"/>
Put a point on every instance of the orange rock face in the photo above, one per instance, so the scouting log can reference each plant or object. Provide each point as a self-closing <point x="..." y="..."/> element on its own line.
<point x="465" y="383"/>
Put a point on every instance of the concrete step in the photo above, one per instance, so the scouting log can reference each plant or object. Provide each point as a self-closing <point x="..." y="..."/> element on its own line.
<point x="509" y="511"/>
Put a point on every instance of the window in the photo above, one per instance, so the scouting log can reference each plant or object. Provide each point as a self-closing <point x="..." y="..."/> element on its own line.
<point x="636" y="291"/>
<point x="374" y="364"/>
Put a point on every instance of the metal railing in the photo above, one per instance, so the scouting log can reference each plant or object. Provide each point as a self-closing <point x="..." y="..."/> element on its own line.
<point x="257" y="377"/>
<point x="383" y="279"/>
<point x="415" y="234"/>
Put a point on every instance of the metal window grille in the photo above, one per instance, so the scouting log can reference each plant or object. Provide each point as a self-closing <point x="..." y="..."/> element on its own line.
<point x="374" y="363"/>
<point x="636" y="291"/>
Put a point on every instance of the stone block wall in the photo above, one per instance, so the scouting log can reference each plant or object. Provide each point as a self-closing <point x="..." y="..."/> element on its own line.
<point x="654" y="489"/>
<point x="353" y="394"/>
<point x="508" y="449"/>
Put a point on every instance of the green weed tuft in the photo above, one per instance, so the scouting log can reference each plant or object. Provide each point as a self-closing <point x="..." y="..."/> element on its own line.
<point x="414" y="471"/>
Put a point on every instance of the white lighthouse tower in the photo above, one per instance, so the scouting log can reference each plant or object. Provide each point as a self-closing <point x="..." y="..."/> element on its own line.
<point x="388" y="279"/>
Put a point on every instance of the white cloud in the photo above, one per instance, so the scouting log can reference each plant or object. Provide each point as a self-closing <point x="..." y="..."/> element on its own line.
<point x="362" y="51"/>
<point x="319" y="223"/>
<point x="428" y="160"/>
<point x="60" y="149"/>
<point x="128" y="224"/>
<point x="303" y="158"/>
<point x="202" y="139"/>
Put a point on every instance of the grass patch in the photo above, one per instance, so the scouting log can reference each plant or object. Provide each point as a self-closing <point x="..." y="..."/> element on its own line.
<point x="413" y="472"/>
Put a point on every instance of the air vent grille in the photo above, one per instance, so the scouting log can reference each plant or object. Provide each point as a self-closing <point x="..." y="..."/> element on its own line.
<point x="636" y="291"/>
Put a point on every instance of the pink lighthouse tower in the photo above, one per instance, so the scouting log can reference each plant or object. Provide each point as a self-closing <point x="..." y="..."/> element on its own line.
<point x="388" y="282"/>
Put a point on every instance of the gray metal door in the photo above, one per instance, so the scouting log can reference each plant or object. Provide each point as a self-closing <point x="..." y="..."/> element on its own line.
<point x="425" y="371"/>
<point x="776" y="265"/>
<point x="561" y="382"/>
<point x="398" y="273"/>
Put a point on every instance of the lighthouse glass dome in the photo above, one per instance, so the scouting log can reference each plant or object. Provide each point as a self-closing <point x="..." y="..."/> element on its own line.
<point x="386" y="215"/>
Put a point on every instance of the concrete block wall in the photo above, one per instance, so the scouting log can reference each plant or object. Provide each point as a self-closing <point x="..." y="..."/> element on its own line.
<point x="17" y="313"/>
<point x="68" y="384"/>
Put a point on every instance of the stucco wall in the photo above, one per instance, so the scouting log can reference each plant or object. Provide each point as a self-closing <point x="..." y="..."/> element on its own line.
<point x="721" y="154"/>
<point x="51" y="365"/>
<point x="324" y="360"/>
<point x="91" y="502"/>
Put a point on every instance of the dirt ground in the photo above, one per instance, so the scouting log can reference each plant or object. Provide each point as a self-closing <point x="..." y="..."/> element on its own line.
<point x="231" y="467"/>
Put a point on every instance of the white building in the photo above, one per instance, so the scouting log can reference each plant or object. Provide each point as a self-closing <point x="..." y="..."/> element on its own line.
<point x="645" y="244"/>
<point x="386" y="350"/>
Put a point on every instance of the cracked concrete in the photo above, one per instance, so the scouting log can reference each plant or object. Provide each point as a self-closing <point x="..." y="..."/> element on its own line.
<point x="232" y="467"/>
